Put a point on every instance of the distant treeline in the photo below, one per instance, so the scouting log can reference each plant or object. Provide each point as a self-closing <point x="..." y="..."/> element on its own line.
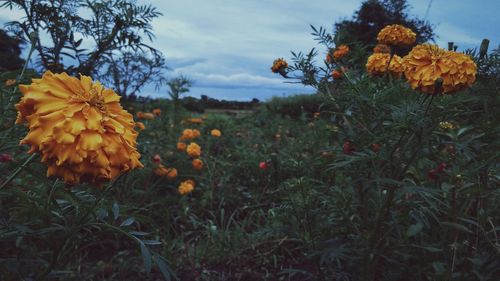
<point x="205" y="102"/>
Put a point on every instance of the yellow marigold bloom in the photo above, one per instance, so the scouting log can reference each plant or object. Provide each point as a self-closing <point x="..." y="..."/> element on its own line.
<point x="157" y="112"/>
<point x="396" y="35"/>
<point x="340" y="51"/>
<point x="181" y="146"/>
<point x="215" y="133"/>
<point x="140" y="125"/>
<point x="10" y="82"/>
<point x="193" y="150"/>
<point x="79" y="128"/>
<point x="189" y="134"/>
<point x="445" y="125"/>
<point x="197" y="164"/>
<point x="186" y="187"/>
<point x="382" y="48"/>
<point x="427" y="63"/>
<point x="377" y="64"/>
<point x="279" y="65"/>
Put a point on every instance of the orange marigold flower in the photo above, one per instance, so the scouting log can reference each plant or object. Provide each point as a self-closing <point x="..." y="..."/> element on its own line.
<point x="157" y="112"/>
<point x="427" y="63"/>
<point x="215" y="133"/>
<point x="195" y="120"/>
<point x="181" y="146"/>
<point x="193" y="150"/>
<point x="79" y="128"/>
<point x="196" y="133"/>
<point x="396" y="35"/>
<point x="162" y="171"/>
<point x="139" y="115"/>
<point x="336" y="74"/>
<point x="186" y="187"/>
<point x="172" y="173"/>
<point x="10" y="82"/>
<point x="197" y="164"/>
<point x="140" y="125"/>
<point x="340" y="51"/>
<point x="382" y="48"/>
<point x="279" y="65"/>
<point x="148" y="116"/>
<point x="377" y="64"/>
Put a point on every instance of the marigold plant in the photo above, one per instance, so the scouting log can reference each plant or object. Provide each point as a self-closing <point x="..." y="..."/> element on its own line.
<point x="378" y="64"/>
<point x="186" y="187"/>
<point x="279" y="65"/>
<point x="215" y="133"/>
<point x="181" y="146"/>
<point x="193" y="150"/>
<point x="79" y="128"/>
<point x="197" y="164"/>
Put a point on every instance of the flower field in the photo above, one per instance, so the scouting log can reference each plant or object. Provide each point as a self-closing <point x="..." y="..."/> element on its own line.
<point x="389" y="171"/>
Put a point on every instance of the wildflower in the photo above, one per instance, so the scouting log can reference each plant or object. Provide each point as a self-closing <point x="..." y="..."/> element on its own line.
<point x="340" y="51"/>
<point x="5" y="157"/>
<point x="263" y="165"/>
<point x="378" y="64"/>
<point x="162" y="171"/>
<point x="215" y="133"/>
<point x="396" y="35"/>
<point x="79" y="128"/>
<point x="140" y="125"/>
<point x="196" y="133"/>
<point x="348" y="148"/>
<point x="197" y="164"/>
<point x="445" y="125"/>
<point x="10" y="82"/>
<point x="181" y="146"/>
<point x="157" y="112"/>
<point x="382" y="48"/>
<point x="336" y="74"/>
<point x="193" y="150"/>
<point x="195" y="120"/>
<point x="157" y="159"/>
<point x="427" y="63"/>
<point x="186" y="187"/>
<point x="279" y="66"/>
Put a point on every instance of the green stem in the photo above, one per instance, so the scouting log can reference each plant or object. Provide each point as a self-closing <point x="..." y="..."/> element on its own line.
<point x="18" y="170"/>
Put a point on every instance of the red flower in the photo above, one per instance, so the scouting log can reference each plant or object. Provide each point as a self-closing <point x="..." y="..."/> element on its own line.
<point x="443" y="166"/>
<point x="157" y="159"/>
<point x="348" y="148"/>
<point x="5" y="157"/>
<point x="432" y="174"/>
<point x="263" y="165"/>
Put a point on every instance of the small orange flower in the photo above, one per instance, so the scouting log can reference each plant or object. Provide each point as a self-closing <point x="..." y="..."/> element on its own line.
<point x="186" y="187"/>
<point x="157" y="112"/>
<point x="279" y="65"/>
<point x="172" y="173"/>
<point x="215" y="133"/>
<point x="340" y="51"/>
<point x="196" y="133"/>
<point x="382" y="48"/>
<point x="378" y="64"/>
<point x="162" y="171"/>
<point x="189" y="134"/>
<point x="195" y="120"/>
<point x="148" y="116"/>
<point x="181" y="146"/>
<point x="139" y="115"/>
<point x="140" y="125"/>
<point x="10" y="82"/>
<point x="193" y="150"/>
<point x="336" y="74"/>
<point x="197" y="164"/>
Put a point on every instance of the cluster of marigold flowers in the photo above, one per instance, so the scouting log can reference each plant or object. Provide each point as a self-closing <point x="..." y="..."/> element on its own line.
<point x="424" y="66"/>
<point x="146" y="116"/>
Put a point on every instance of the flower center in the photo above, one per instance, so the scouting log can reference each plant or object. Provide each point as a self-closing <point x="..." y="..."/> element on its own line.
<point x="93" y="98"/>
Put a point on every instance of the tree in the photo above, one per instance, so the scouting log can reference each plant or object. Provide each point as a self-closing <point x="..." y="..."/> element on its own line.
<point x="10" y="50"/>
<point x="178" y="86"/>
<point x="374" y="15"/>
<point x="92" y="37"/>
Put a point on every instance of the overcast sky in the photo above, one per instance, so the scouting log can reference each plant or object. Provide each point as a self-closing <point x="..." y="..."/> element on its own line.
<point x="227" y="46"/>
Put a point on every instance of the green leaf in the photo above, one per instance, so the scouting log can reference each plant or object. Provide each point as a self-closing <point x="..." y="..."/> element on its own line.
<point x="116" y="210"/>
<point x="414" y="229"/>
<point x="128" y="221"/>
<point x="146" y="256"/>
